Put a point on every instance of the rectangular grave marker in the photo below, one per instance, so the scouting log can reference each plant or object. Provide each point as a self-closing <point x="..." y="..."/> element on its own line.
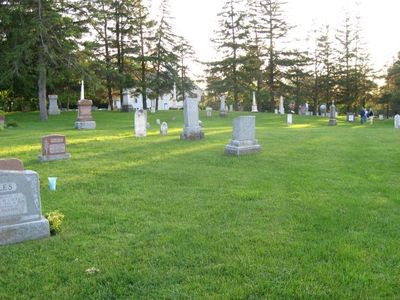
<point x="53" y="148"/>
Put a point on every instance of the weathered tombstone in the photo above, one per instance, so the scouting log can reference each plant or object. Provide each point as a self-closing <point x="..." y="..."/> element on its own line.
<point x="254" y="106"/>
<point x="126" y="106"/>
<point x="20" y="210"/>
<point x="222" y="109"/>
<point x="243" y="136"/>
<point x="164" y="128"/>
<point x="322" y="109"/>
<point x="53" y="148"/>
<point x="158" y="122"/>
<point x="85" y="119"/>
<point x="332" y="115"/>
<point x="153" y="106"/>
<point x="351" y="117"/>
<point x="276" y="111"/>
<point x="192" y="129"/>
<point x="281" y="107"/>
<point x="140" y="123"/>
<point x="381" y="117"/>
<point x="11" y="164"/>
<point x="289" y="119"/>
<point x="397" y="121"/>
<point x="231" y="107"/>
<point x="302" y="110"/>
<point x="209" y="111"/>
<point x="53" y="105"/>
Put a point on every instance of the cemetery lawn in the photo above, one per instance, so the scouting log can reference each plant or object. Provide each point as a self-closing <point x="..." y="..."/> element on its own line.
<point x="316" y="214"/>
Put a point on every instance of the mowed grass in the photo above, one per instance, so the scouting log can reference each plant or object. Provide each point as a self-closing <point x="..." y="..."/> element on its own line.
<point x="316" y="214"/>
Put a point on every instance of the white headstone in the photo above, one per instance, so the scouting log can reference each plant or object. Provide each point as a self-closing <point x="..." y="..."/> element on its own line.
<point x="20" y="208"/>
<point x="281" y="107"/>
<point x="381" y="117"/>
<point x="158" y="122"/>
<point x="209" y="111"/>
<point x="192" y="129"/>
<point x="222" y="108"/>
<point x="243" y="136"/>
<point x="397" y="121"/>
<point x="164" y="128"/>
<point x="289" y="119"/>
<point x="254" y="106"/>
<point x="231" y="107"/>
<point x="140" y="123"/>
<point x="276" y="111"/>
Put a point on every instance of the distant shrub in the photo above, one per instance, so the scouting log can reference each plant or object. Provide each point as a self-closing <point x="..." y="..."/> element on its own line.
<point x="1" y="127"/>
<point x="55" y="219"/>
<point x="2" y="113"/>
<point x="12" y="123"/>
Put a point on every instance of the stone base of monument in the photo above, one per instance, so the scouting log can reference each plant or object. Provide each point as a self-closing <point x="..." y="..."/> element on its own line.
<point x="54" y="111"/>
<point x="192" y="135"/>
<point x="43" y="158"/>
<point x="223" y="113"/>
<point x="127" y="108"/>
<point x="85" y="124"/>
<point x="16" y="233"/>
<point x="332" y="122"/>
<point x="236" y="147"/>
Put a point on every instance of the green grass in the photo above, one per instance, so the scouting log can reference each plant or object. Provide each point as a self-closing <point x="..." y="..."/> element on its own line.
<point x="316" y="214"/>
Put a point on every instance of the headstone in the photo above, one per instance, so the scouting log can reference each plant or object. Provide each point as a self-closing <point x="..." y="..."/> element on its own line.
<point x="126" y="106"/>
<point x="381" y="117"/>
<point x="322" y="109"/>
<point x="85" y="119"/>
<point x="209" y="111"/>
<point x="302" y="110"/>
<point x="397" y="121"/>
<point x="158" y="122"/>
<point x="222" y="109"/>
<point x="231" y="107"/>
<point x="11" y="164"/>
<point x="53" y="148"/>
<point x="153" y="106"/>
<point x="192" y="129"/>
<point x="254" y="106"/>
<point x="53" y="105"/>
<point x="281" y="107"/>
<point x="164" y="128"/>
<point x="289" y="119"/>
<point x="20" y="210"/>
<point x="332" y="115"/>
<point x="276" y="111"/>
<point x="243" y="136"/>
<point x="140" y="123"/>
<point x="351" y="117"/>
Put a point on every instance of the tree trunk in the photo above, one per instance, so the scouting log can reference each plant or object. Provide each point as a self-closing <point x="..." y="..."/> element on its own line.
<point x="42" y="89"/>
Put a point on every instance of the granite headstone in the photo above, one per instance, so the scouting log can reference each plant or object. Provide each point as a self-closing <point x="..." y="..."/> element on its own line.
<point x="53" y="148"/>
<point x="192" y="130"/>
<point x="243" y="137"/>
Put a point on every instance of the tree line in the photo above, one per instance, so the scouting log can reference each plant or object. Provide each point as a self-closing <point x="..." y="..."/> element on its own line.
<point x="48" y="46"/>
<point x="253" y="40"/>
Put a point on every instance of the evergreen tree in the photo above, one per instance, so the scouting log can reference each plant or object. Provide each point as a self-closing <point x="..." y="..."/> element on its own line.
<point x="184" y="52"/>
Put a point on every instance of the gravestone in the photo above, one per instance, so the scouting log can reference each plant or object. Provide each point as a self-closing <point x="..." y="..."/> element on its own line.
<point x="254" y="105"/>
<point x="351" y="117"/>
<point x="126" y="107"/>
<point x="381" y="117"/>
<point x="192" y="129"/>
<point x="53" y="148"/>
<point x="222" y="109"/>
<point x="332" y="115"/>
<point x="164" y="128"/>
<point x="289" y="119"/>
<point x="20" y="210"/>
<point x="11" y="164"/>
<point x="209" y="111"/>
<point x="53" y="105"/>
<point x="140" y="123"/>
<point x="158" y="122"/>
<point x="281" y="107"/>
<point x="231" y="107"/>
<point x="276" y="111"/>
<point x="322" y="109"/>
<point x="397" y="121"/>
<point x="85" y="119"/>
<point x="243" y="136"/>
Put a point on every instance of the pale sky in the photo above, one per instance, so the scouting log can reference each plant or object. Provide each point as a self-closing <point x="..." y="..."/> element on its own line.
<point x="196" y="20"/>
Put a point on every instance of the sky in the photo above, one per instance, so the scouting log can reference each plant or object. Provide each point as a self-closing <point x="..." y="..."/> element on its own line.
<point x="196" y="20"/>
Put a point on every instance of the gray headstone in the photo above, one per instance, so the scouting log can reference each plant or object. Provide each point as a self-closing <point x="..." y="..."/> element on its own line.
<point x="53" y="148"/>
<point x="243" y="136"/>
<point x="397" y="121"/>
<point x="164" y="128"/>
<point x="209" y="111"/>
<point x="222" y="109"/>
<point x="158" y="122"/>
<point x="192" y="129"/>
<point x="140" y="123"/>
<point x="332" y="115"/>
<point x="20" y="209"/>
<point x="53" y="105"/>
<point x="289" y="119"/>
